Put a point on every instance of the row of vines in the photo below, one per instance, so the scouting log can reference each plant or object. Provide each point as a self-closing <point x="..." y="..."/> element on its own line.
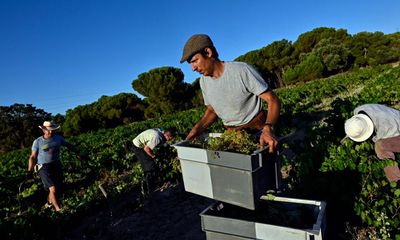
<point x="317" y="164"/>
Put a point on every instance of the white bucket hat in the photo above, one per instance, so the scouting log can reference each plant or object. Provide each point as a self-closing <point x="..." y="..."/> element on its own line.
<point x="359" y="127"/>
<point x="49" y="125"/>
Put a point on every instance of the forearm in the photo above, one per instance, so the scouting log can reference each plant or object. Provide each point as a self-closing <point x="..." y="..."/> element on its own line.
<point x="273" y="109"/>
<point x="149" y="152"/>
<point x="31" y="163"/>
<point x="267" y="137"/>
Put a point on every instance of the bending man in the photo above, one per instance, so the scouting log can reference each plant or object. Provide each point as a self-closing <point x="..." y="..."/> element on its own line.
<point x="382" y="123"/>
<point x="143" y="146"/>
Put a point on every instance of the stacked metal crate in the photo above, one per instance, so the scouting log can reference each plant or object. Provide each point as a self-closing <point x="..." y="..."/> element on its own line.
<point x="239" y="183"/>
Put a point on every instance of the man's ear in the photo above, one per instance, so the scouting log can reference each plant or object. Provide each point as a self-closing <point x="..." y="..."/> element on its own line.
<point x="208" y="52"/>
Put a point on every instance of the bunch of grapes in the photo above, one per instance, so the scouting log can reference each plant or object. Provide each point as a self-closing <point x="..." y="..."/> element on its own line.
<point x="238" y="141"/>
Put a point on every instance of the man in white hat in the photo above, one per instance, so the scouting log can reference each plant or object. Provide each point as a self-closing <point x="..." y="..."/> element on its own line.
<point x="385" y="123"/>
<point x="46" y="157"/>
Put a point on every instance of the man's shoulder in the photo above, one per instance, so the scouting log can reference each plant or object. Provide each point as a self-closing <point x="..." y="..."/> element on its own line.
<point x="38" y="140"/>
<point x="371" y="107"/>
<point x="59" y="137"/>
<point x="239" y="67"/>
<point x="237" y="64"/>
<point x="152" y="132"/>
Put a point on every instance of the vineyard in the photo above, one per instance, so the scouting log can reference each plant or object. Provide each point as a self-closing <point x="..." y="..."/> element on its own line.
<point x="316" y="164"/>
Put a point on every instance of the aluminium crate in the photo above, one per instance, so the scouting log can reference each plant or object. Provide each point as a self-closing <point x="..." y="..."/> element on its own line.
<point x="234" y="178"/>
<point x="283" y="218"/>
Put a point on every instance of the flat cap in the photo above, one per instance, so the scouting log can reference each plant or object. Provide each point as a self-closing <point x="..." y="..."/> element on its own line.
<point x="195" y="44"/>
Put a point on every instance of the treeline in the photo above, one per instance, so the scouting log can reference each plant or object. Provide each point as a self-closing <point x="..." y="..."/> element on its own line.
<point x="319" y="53"/>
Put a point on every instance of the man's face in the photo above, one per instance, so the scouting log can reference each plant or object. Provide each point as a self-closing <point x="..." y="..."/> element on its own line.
<point x="201" y="64"/>
<point x="48" y="133"/>
<point x="168" y="136"/>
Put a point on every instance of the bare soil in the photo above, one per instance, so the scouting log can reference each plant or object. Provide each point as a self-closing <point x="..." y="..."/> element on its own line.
<point x="171" y="213"/>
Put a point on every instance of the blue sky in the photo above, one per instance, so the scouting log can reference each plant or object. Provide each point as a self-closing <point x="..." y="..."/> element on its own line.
<point x="58" y="54"/>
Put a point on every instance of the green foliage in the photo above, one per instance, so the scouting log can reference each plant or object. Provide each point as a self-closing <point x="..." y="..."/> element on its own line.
<point x="271" y="61"/>
<point x="321" y="107"/>
<point x="378" y="202"/>
<point x="19" y="125"/>
<point x="307" y="41"/>
<point x="309" y="69"/>
<point x="334" y="54"/>
<point x="283" y="63"/>
<point x="372" y="49"/>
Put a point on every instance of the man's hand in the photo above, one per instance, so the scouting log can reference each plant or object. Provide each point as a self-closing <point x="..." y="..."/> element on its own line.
<point x="268" y="138"/>
<point x="192" y="134"/>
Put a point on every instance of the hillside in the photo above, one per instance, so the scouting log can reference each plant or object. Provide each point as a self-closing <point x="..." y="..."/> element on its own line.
<point x="317" y="166"/>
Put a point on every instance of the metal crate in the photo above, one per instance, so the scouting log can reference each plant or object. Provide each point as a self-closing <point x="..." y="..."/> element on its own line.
<point x="234" y="178"/>
<point x="223" y="221"/>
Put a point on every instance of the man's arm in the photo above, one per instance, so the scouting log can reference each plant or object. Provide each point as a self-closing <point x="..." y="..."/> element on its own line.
<point x="149" y="152"/>
<point x="267" y="136"/>
<point x="208" y="118"/>
<point x="32" y="160"/>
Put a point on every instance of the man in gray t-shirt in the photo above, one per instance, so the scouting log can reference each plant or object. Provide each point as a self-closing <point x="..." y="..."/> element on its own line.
<point x="232" y="91"/>
<point x="46" y="155"/>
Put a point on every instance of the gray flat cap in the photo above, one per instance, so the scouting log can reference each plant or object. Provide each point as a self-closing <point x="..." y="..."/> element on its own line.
<point x="195" y="44"/>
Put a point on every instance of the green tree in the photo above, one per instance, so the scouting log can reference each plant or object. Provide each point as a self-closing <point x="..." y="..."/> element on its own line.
<point x="371" y="49"/>
<point x="19" y="125"/>
<point x="310" y="68"/>
<point x="271" y="61"/>
<point x="120" y="109"/>
<point x="334" y="54"/>
<point x="164" y="90"/>
<point x="197" y="99"/>
<point x="306" y="42"/>
<point x="106" y="112"/>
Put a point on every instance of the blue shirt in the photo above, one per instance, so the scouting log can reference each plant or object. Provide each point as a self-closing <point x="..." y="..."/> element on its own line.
<point x="48" y="149"/>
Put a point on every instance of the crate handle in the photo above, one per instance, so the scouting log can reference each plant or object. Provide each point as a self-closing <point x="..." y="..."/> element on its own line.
<point x="258" y="151"/>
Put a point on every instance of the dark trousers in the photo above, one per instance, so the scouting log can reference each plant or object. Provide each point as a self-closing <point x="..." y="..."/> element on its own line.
<point x="149" y="169"/>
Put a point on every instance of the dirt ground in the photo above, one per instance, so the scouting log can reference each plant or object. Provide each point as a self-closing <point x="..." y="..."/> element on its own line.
<point x="169" y="214"/>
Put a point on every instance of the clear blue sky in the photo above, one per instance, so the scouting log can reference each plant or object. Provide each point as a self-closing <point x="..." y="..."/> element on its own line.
<point x="58" y="54"/>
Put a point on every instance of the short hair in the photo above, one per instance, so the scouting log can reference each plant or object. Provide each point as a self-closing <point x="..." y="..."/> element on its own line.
<point x="171" y="130"/>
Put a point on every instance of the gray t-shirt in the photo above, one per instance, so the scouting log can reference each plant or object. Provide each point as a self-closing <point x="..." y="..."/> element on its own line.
<point x="386" y="120"/>
<point x="234" y="95"/>
<point x="48" y="149"/>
